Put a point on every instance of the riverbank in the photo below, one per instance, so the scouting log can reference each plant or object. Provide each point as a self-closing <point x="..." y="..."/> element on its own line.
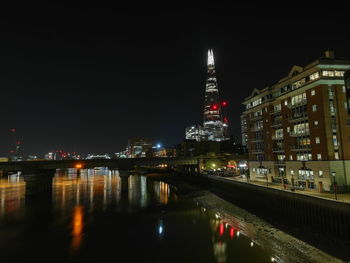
<point x="292" y="244"/>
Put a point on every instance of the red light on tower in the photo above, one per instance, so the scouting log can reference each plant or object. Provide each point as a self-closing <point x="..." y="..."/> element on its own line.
<point x="13" y="130"/>
<point x="214" y="107"/>
<point x="224" y="103"/>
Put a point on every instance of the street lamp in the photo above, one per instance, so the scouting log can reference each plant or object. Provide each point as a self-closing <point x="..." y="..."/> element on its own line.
<point x="335" y="186"/>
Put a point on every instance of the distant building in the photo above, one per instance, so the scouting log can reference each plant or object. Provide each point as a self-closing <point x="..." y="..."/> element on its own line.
<point x="208" y="148"/>
<point x="51" y="156"/>
<point x="215" y="124"/>
<point x="122" y="154"/>
<point x="140" y="147"/>
<point x="298" y="128"/>
<point x="164" y="152"/>
<point x="97" y="156"/>
<point x="32" y="157"/>
<point x="195" y="132"/>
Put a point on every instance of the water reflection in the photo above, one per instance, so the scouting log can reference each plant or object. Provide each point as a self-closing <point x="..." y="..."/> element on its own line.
<point x="77" y="226"/>
<point x="12" y="196"/>
<point x="90" y="215"/>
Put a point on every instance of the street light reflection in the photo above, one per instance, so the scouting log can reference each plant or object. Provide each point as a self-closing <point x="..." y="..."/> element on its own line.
<point x="77" y="227"/>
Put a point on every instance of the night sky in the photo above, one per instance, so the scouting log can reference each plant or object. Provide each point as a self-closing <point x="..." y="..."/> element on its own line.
<point x="88" y="77"/>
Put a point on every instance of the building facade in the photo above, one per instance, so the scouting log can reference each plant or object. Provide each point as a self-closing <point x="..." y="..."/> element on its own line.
<point x="139" y="147"/>
<point x="215" y="123"/>
<point x="244" y="130"/>
<point x="298" y="130"/>
<point x="195" y="132"/>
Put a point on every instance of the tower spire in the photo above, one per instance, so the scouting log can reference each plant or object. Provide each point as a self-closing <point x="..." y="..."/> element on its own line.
<point x="210" y="57"/>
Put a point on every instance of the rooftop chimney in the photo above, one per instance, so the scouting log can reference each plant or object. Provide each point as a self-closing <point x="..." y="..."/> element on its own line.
<point x="329" y="53"/>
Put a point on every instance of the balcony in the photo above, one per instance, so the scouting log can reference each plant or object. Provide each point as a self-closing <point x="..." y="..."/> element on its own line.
<point x="275" y="113"/>
<point x="300" y="148"/>
<point x="257" y="151"/>
<point x="299" y="134"/>
<point x="257" y="140"/>
<point x="276" y="124"/>
<point x="254" y="129"/>
<point x="301" y="103"/>
<point x="299" y="117"/>
<point x="278" y="150"/>
<point x="277" y="138"/>
<point x="280" y="163"/>
<point x="255" y="118"/>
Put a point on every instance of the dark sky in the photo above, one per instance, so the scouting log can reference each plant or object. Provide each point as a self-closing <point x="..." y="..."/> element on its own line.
<point x="86" y="77"/>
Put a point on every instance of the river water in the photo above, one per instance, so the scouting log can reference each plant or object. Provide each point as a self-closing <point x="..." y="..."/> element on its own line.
<point x="88" y="218"/>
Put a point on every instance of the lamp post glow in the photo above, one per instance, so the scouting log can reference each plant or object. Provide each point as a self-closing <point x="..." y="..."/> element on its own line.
<point x="335" y="186"/>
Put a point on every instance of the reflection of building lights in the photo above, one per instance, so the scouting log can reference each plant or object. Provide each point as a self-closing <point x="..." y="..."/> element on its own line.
<point x="232" y="232"/>
<point x="238" y="233"/>
<point x="226" y="225"/>
<point x="221" y="229"/>
<point x="78" y="166"/>
<point x="78" y="225"/>
<point x="251" y="244"/>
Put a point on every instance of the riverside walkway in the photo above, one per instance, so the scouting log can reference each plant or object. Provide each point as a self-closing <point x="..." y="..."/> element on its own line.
<point x="327" y="195"/>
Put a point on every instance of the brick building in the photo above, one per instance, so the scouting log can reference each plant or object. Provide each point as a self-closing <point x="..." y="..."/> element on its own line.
<point x="298" y="129"/>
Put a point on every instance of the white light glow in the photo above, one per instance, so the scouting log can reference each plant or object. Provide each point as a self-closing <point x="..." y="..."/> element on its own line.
<point x="210" y="57"/>
<point x="160" y="230"/>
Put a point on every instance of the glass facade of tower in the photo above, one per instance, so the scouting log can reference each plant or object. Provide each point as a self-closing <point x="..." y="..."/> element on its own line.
<point x="214" y="127"/>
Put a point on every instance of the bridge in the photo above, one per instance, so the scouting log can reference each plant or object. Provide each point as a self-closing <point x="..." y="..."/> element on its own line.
<point x="123" y="164"/>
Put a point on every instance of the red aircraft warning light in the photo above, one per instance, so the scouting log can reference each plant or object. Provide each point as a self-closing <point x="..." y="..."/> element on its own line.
<point x="214" y="107"/>
<point x="224" y="103"/>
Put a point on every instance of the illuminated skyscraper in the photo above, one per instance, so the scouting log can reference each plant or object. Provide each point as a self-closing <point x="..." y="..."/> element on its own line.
<point x="213" y="124"/>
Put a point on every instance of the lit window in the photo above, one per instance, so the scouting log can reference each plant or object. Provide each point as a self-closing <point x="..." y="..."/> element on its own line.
<point x="335" y="141"/>
<point x="291" y="157"/>
<point x="316" y="123"/>
<point x="285" y="103"/>
<point x="338" y="73"/>
<point x="253" y="169"/>
<point x="314" y="76"/>
<point x="336" y="155"/>
<point x="344" y="89"/>
<point x="314" y="107"/>
<point x="346" y="105"/>
<point x="317" y="139"/>
<point x="319" y="156"/>
<point x="320" y="173"/>
<point x="288" y="129"/>
<point x="328" y="73"/>
<point x="313" y="92"/>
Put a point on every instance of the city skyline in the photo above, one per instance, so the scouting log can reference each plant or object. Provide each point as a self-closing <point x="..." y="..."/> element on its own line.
<point x="88" y="79"/>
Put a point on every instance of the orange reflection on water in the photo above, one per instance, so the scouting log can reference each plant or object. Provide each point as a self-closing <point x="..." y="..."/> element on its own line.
<point x="78" y="225"/>
<point x="12" y="192"/>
